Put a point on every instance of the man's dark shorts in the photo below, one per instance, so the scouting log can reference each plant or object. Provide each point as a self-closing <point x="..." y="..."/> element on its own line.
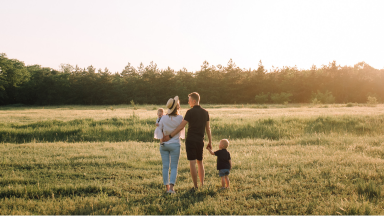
<point x="194" y="150"/>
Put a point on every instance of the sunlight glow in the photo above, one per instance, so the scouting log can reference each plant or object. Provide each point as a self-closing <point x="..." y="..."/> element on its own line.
<point x="186" y="33"/>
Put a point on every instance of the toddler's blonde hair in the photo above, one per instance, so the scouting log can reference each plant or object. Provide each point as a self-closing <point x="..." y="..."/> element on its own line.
<point x="160" y="110"/>
<point x="225" y="143"/>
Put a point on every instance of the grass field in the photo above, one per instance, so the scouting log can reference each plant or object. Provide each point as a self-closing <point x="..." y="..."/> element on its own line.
<point x="293" y="159"/>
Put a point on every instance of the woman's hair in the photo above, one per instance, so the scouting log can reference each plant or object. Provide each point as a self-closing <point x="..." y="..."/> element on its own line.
<point x="175" y="112"/>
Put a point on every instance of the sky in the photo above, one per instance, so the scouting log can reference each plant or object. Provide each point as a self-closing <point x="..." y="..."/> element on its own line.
<point x="184" y="34"/>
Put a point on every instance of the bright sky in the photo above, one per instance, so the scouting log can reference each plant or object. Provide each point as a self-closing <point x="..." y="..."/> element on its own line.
<point x="185" y="33"/>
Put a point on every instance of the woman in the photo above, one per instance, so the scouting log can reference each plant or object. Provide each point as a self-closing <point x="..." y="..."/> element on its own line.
<point x="170" y="150"/>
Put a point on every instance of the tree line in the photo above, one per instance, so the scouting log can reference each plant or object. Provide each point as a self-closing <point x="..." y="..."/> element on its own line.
<point x="230" y="84"/>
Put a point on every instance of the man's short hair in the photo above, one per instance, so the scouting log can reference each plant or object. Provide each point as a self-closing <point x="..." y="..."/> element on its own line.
<point x="195" y="96"/>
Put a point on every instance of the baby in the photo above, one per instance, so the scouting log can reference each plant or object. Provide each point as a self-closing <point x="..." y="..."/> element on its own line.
<point x="158" y="132"/>
<point x="224" y="164"/>
<point x="160" y="113"/>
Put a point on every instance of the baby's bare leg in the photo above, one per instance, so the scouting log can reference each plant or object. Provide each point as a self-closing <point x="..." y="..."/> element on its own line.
<point x="223" y="181"/>
<point x="227" y="180"/>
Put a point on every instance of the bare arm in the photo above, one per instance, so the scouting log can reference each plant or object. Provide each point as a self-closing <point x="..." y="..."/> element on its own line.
<point x="176" y="131"/>
<point x="210" y="151"/>
<point x="208" y="130"/>
<point x="230" y="164"/>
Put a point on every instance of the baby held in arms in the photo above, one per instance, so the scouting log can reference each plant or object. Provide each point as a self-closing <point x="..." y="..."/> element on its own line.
<point x="160" y="113"/>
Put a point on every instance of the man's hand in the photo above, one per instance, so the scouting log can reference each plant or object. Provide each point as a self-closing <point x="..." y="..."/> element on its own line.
<point x="165" y="138"/>
<point x="208" y="130"/>
<point x="177" y="130"/>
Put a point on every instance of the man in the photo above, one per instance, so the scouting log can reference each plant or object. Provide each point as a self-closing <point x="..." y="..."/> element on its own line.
<point x="198" y="120"/>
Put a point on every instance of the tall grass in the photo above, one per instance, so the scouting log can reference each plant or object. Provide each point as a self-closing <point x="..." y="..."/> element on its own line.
<point x="285" y="161"/>
<point x="336" y="174"/>
<point x="134" y="128"/>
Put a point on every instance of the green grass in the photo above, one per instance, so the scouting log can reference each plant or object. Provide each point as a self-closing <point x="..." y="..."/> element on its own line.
<point x="308" y="163"/>
<point x="135" y="129"/>
<point x="309" y="175"/>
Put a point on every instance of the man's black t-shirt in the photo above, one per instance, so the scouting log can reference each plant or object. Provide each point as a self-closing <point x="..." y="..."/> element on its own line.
<point x="197" y="118"/>
<point x="223" y="158"/>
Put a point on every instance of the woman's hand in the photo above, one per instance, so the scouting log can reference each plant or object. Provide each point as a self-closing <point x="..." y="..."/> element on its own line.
<point x="157" y="124"/>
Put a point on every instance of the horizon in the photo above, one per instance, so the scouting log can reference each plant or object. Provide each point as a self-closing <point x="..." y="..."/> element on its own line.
<point x="216" y="66"/>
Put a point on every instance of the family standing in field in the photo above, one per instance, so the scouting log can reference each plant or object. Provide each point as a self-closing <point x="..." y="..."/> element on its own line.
<point x="171" y="128"/>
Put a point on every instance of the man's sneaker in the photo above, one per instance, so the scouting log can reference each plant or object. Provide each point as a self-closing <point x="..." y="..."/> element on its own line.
<point x="193" y="190"/>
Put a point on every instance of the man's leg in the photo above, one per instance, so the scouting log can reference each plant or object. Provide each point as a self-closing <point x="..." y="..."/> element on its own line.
<point x="201" y="171"/>
<point x="192" y="167"/>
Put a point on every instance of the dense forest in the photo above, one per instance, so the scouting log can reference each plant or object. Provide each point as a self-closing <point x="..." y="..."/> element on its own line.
<point x="332" y="83"/>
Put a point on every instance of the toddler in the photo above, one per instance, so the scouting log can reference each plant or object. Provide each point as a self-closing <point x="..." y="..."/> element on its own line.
<point x="160" y="113"/>
<point x="158" y="131"/>
<point x="224" y="164"/>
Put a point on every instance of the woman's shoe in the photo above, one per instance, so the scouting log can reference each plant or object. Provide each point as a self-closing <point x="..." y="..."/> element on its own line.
<point x="171" y="192"/>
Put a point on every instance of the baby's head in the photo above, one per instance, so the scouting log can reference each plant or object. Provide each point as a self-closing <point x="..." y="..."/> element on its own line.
<point x="160" y="112"/>
<point x="224" y="143"/>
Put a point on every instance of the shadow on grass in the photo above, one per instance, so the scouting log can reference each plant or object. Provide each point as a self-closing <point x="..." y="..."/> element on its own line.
<point x="72" y="164"/>
<point x="13" y="136"/>
<point x="171" y="204"/>
<point x="13" y="181"/>
<point x="63" y="191"/>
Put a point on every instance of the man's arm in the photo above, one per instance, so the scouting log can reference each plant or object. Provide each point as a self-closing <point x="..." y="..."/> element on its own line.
<point x="208" y="130"/>
<point x="176" y="131"/>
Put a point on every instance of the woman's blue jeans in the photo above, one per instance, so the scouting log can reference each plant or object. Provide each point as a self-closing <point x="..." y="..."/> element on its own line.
<point x="170" y="154"/>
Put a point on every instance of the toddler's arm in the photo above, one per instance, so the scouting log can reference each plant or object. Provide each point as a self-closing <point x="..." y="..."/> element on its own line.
<point x="157" y="122"/>
<point x="230" y="165"/>
<point x="210" y="151"/>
